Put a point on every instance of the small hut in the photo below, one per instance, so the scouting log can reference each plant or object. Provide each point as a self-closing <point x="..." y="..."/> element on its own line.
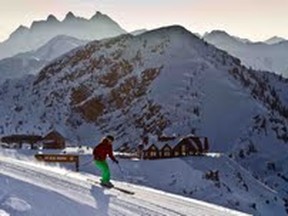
<point x="53" y="140"/>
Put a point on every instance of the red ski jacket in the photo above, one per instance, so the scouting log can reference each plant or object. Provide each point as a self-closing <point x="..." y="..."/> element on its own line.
<point x="103" y="149"/>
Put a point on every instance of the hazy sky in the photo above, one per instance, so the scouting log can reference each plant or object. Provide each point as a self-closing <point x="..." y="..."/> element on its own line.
<point x="253" y="19"/>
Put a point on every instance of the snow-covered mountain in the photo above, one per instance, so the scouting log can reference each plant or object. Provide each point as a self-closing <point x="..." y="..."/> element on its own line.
<point x="138" y="32"/>
<point x="56" y="47"/>
<point x="223" y="37"/>
<point x="274" y="40"/>
<point x="165" y="81"/>
<point x="31" y="62"/>
<point x="260" y="56"/>
<point x="26" y="39"/>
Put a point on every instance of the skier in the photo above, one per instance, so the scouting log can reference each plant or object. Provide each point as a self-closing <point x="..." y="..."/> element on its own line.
<point x="100" y="153"/>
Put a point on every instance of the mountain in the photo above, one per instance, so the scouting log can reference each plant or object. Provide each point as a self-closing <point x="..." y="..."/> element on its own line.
<point x="32" y="62"/>
<point x="138" y="32"/>
<point x="223" y="38"/>
<point x="165" y="81"/>
<point x="26" y="39"/>
<point x="54" y="48"/>
<point x="275" y="40"/>
<point x="259" y="56"/>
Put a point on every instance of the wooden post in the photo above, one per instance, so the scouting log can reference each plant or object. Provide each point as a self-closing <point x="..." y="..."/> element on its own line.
<point x="77" y="163"/>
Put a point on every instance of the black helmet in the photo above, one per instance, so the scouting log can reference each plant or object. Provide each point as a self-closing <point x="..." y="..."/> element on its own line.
<point x="110" y="137"/>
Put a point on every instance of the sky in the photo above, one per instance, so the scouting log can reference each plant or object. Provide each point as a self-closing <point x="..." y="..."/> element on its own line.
<point x="253" y="19"/>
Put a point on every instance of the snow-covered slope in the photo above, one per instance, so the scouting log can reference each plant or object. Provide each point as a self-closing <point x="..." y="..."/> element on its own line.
<point x="31" y="62"/>
<point x="32" y="189"/>
<point x="26" y="39"/>
<point x="232" y="186"/>
<point x="165" y="81"/>
<point x="260" y="56"/>
<point x="55" y="47"/>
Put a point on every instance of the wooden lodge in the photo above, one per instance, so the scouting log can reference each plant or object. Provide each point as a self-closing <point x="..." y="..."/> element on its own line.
<point x="190" y="145"/>
<point x="19" y="140"/>
<point x="53" y="140"/>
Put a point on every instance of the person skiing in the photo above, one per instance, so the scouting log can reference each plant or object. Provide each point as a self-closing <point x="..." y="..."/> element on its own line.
<point x="100" y="153"/>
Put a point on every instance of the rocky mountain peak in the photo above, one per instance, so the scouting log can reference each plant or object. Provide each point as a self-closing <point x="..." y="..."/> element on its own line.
<point x="69" y="16"/>
<point x="51" y="18"/>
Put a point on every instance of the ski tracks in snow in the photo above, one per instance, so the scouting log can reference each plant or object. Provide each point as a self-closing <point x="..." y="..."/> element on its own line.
<point x="74" y="186"/>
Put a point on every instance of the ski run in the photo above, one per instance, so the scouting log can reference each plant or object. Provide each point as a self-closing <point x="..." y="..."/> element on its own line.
<point x="29" y="188"/>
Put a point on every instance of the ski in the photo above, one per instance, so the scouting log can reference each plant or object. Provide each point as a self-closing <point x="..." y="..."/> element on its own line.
<point x="114" y="187"/>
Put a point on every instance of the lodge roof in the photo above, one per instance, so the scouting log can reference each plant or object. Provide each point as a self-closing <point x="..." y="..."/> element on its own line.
<point x="21" y="138"/>
<point x="173" y="142"/>
<point x="53" y="132"/>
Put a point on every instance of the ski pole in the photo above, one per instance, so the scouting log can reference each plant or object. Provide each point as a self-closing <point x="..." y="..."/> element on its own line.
<point x="85" y="164"/>
<point x="120" y="168"/>
<point x="122" y="173"/>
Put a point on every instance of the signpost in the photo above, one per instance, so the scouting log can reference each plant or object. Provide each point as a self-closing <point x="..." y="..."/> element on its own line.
<point x="54" y="158"/>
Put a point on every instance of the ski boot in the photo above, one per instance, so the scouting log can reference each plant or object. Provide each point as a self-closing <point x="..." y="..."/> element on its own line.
<point x="107" y="184"/>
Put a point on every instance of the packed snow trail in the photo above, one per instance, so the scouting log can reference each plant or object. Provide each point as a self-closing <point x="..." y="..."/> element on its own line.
<point x="37" y="185"/>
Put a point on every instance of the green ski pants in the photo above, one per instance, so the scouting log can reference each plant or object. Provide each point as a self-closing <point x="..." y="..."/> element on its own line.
<point x="105" y="172"/>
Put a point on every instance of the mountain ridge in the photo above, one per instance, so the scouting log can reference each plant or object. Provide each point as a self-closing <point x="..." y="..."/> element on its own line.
<point x="31" y="62"/>
<point x="25" y="39"/>
<point x="258" y="55"/>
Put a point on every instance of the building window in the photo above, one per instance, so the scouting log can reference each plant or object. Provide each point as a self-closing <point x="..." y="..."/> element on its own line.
<point x="176" y="153"/>
<point x="153" y="154"/>
<point x="183" y="150"/>
<point x="167" y="153"/>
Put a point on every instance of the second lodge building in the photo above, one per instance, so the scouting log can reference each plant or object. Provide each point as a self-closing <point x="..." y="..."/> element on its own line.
<point x="190" y="145"/>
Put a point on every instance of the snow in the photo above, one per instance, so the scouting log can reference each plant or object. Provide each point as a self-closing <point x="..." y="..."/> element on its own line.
<point x="193" y="75"/>
<point x="29" y="188"/>
<point x="235" y="189"/>
<point x="271" y="55"/>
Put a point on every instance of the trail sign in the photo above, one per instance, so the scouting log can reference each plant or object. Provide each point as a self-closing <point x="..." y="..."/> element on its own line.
<point x="59" y="158"/>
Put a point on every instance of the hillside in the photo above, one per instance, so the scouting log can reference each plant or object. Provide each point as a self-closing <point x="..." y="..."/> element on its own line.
<point x="165" y="81"/>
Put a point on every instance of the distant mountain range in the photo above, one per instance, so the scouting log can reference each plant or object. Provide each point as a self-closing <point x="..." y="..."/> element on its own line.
<point x="31" y="62"/>
<point x="270" y="56"/>
<point x="26" y="39"/>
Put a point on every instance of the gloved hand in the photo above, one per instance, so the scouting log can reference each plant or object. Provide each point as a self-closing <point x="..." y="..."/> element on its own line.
<point x="116" y="161"/>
